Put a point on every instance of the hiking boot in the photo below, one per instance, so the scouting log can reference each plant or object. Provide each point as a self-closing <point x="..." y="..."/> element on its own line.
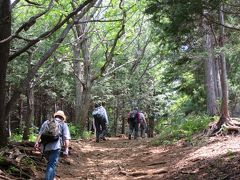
<point x="97" y="140"/>
<point x="103" y="138"/>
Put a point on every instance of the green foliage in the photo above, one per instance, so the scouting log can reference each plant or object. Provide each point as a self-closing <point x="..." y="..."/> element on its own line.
<point x="17" y="135"/>
<point x="76" y="134"/>
<point x="87" y="135"/>
<point x="177" y="21"/>
<point x="74" y="131"/>
<point x="12" y="170"/>
<point x="172" y="129"/>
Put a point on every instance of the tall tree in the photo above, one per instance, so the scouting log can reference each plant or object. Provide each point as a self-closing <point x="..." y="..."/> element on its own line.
<point x="209" y="66"/>
<point x="5" y="33"/>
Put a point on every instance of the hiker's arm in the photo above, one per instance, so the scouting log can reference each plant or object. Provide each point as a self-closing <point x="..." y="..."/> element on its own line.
<point x="106" y="116"/>
<point x="144" y="119"/>
<point x="39" y="136"/>
<point x="66" y="143"/>
<point x="36" y="145"/>
<point x="66" y="138"/>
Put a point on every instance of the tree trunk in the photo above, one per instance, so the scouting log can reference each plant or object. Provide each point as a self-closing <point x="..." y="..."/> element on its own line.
<point x="5" y="32"/>
<point x="78" y="70"/>
<point x="151" y="119"/>
<point x="209" y="76"/>
<point x="217" y="79"/>
<point x="9" y="118"/>
<point x="224" y="104"/>
<point x="85" y="104"/>
<point x="115" y="119"/>
<point x="29" y="113"/>
<point x="123" y="115"/>
<point x="30" y="105"/>
<point x="224" y="120"/>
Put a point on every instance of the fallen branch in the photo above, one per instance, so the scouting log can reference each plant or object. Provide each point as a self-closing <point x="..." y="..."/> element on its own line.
<point x="157" y="163"/>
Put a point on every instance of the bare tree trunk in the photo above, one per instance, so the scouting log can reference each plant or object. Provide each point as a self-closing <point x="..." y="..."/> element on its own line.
<point x="217" y="79"/>
<point x="5" y="32"/>
<point x="78" y="70"/>
<point x="30" y="105"/>
<point x="224" y="103"/>
<point x="122" y="116"/>
<point x="115" y="119"/>
<point x="29" y="114"/>
<point x="88" y="85"/>
<point x="83" y="81"/>
<point x="209" y="76"/>
<point x="9" y="118"/>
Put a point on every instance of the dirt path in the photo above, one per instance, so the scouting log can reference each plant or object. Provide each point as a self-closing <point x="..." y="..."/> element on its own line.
<point x="119" y="158"/>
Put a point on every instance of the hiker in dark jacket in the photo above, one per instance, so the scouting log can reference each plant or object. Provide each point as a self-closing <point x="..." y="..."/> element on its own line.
<point x="134" y="123"/>
<point x="52" y="149"/>
<point x="100" y="122"/>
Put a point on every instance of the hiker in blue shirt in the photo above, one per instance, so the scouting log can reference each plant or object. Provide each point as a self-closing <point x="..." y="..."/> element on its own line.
<point x="52" y="149"/>
<point x="100" y="121"/>
<point x="143" y="125"/>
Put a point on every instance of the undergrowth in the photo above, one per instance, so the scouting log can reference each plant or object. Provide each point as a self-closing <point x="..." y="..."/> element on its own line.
<point x="173" y="129"/>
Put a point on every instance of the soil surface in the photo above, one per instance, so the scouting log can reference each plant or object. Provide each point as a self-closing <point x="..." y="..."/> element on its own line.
<point x="123" y="159"/>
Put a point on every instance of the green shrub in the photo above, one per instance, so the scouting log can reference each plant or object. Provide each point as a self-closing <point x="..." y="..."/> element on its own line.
<point x="74" y="131"/>
<point x="180" y="127"/>
<point x="16" y="137"/>
<point x="87" y="134"/>
<point x="17" y="134"/>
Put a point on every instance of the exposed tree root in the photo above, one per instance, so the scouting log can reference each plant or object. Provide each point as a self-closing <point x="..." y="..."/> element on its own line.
<point x="224" y="126"/>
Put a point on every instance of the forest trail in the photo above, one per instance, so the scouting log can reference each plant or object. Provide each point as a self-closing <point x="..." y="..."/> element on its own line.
<point x="120" y="158"/>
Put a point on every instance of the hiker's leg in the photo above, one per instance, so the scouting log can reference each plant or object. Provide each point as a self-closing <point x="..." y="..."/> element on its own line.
<point x="141" y="130"/>
<point x="130" y="130"/>
<point x="144" y="130"/>
<point x="51" y="165"/>
<point x="103" y="125"/>
<point x="136" y="130"/>
<point x="98" y="129"/>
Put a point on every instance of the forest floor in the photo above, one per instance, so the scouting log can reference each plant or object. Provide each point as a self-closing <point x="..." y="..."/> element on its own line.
<point x="123" y="159"/>
<point x="120" y="158"/>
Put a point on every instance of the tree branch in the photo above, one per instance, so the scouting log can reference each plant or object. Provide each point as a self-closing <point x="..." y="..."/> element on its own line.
<point x="99" y="20"/>
<point x="54" y="29"/>
<point x="33" y="3"/>
<point x="110" y="55"/>
<point x="14" y="3"/>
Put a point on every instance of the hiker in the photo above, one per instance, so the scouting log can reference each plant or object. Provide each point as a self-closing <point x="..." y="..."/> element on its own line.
<point x="134" y="123"/>
<point x="52" y="136"/>
<point x="143" y="125"/>
<point x="100" y="121"/>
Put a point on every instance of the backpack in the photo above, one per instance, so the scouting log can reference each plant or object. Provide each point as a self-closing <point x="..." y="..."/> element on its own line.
<point x="133" y="116"/>
<point x="142" y="118"/>
<point x="51" y="133"/>
<point x="97" y="114"/>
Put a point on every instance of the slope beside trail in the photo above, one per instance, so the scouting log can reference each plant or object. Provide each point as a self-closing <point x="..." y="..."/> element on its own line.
<point x="120" y="158"/>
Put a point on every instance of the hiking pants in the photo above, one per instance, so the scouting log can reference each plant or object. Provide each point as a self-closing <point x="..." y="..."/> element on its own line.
<point x="100" y="124"/>
<point x="142" y="130"/>
<point x="133" y="126"/>
<point x="52" y="157"/>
